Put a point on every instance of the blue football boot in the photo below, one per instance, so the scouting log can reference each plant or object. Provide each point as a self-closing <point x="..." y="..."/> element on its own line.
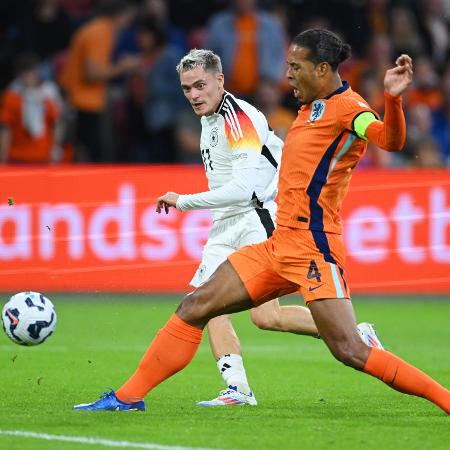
<point x="109" y="402"/>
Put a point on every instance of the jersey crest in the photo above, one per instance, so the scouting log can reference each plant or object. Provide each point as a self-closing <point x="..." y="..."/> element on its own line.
<point x="317" y="110"/>
<point x="214" y="137"/>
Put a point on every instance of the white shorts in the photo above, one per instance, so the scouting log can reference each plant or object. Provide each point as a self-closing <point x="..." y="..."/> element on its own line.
<point x="228" y="235"/>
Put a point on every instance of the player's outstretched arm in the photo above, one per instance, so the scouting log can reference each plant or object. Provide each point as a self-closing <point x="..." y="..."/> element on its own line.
<point x="391" y="134"/>
<point x="238" y="189"/>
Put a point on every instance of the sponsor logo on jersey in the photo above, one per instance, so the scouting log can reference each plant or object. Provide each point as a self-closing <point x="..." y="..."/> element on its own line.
<point x="317" y="110"/>
<point x="239" y="156"/>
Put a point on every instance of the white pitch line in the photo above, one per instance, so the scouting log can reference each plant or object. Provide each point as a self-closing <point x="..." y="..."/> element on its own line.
<point x="95" y="441"/>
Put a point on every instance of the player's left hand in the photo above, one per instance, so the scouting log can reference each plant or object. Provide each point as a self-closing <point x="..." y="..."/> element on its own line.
<point x="169" y="199"/>
<point x="398" y="79"/>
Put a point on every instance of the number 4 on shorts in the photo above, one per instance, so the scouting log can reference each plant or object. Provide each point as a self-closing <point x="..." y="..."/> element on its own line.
<point x="313" y="271"/>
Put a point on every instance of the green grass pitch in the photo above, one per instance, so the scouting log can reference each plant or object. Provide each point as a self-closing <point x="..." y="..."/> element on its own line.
<point x="306" y="399"/>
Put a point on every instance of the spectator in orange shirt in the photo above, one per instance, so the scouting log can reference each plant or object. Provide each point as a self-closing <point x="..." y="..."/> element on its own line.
<point x="28" y="114"/>
<point x="251" y="44"/>
<point x="90" y="66"/>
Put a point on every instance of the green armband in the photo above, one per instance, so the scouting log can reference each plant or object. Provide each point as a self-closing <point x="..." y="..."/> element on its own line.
<point x="361" y="122"/>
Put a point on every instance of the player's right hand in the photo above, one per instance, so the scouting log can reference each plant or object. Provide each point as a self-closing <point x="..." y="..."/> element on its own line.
<point x="398" y="79"/>
<point x="169" y="199"/>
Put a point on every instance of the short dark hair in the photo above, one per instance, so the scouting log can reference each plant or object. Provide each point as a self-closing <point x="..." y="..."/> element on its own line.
<point x="324" y="46"/>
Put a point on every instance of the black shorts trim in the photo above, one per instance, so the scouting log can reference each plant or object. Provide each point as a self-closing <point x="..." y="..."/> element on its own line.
<point x="266" y="220"/>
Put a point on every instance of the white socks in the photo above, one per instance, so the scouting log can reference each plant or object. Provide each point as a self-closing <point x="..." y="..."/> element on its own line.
<point x="231" y="367"/>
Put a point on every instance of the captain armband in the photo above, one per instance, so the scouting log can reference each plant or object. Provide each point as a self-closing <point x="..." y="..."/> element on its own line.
<point x="361" y="123"/>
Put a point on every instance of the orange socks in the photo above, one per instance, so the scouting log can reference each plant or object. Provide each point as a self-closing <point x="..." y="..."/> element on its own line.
<point x="405" y="378"/>
<point x="170" y="351"/>
<point x="177" y="342"/>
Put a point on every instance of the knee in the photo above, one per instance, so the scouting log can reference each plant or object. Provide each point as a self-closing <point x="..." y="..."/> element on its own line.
<point x="265" y="321"/>
<point x="219" y="322"/>
<point x="194" y="309"/>
<point x="351" y="354"/>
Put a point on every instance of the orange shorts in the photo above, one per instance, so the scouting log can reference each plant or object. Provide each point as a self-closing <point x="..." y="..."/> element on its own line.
<point x="293" y="260"/>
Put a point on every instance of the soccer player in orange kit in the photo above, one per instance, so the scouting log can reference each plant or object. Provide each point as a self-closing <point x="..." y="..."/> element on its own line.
<point x="305" y="253"/>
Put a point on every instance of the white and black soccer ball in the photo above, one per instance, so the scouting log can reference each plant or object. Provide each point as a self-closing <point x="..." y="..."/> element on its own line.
<point x="28" y="318"/>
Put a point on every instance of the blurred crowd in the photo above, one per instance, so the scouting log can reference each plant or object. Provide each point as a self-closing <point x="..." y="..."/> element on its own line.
<point x="95" y="80"/>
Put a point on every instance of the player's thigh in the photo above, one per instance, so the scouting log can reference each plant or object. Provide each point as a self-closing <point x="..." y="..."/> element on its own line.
<point x="266" y="313"/>
<point x="314" y="261"/>
<point x="336" y="323"/>
<point x="270" y="307"/>
<point x="256" y="269"/>
<point x="213" y="256"/>
<point x="216" y="250"/>
<point x="241" y="230"/>
<point x="325" y="275"/>
<point x="259" y="226"/>
<point x="213" y="297"/>
<point x="222" y="293"/>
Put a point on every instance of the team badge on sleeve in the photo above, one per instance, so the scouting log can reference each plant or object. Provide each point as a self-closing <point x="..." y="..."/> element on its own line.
<point x="317" y="110"/>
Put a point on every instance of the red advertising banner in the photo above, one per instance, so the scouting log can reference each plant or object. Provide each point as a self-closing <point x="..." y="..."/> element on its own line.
<point x="94" y="228"/>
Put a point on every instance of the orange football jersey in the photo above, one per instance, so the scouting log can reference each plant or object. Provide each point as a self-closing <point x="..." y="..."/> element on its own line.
<point x="320" y="152"/>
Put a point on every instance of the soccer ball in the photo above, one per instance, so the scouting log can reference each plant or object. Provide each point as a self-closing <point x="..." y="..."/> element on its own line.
<point x="28" y="318"/>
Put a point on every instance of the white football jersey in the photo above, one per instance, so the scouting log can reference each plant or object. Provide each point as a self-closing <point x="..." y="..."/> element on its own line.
<point x="238" y="135"/>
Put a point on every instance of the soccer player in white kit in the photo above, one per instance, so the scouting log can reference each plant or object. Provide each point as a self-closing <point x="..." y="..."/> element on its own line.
<point x="241" y="155"/>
